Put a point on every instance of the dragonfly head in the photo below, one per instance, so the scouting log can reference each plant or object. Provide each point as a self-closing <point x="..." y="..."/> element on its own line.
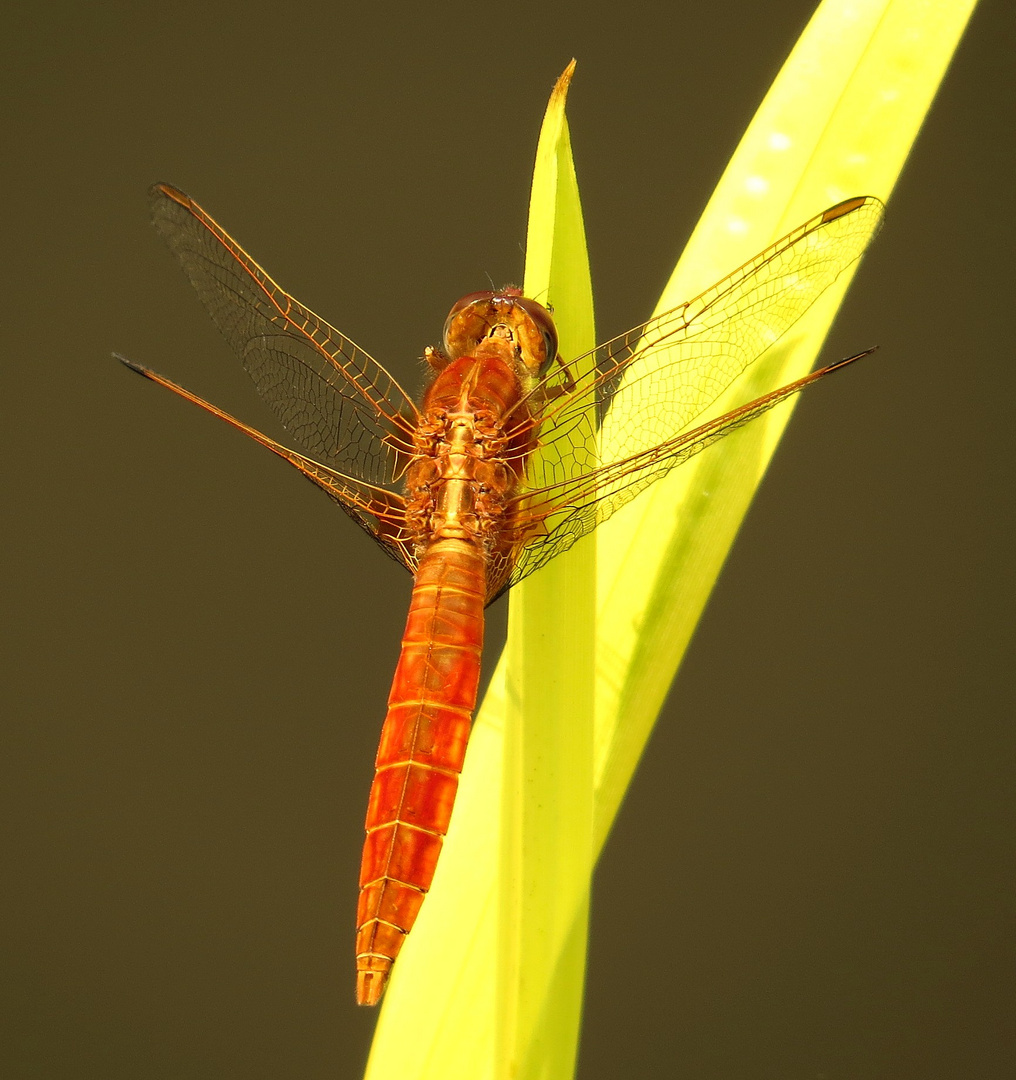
<point x="506" y="315"/>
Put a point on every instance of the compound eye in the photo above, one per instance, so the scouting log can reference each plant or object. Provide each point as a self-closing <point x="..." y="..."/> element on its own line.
<point x="457" y="308"/>
<point x="550" y="339"/>
<point x="469" y="298"/>
<point x="545" y="324"/>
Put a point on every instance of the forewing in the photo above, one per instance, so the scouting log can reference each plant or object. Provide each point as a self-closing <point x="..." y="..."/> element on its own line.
<point x="335" y="399"/>
<point x="667" y="372"/>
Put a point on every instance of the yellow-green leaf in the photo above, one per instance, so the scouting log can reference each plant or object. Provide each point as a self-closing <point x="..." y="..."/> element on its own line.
<point x="838" y="121"/>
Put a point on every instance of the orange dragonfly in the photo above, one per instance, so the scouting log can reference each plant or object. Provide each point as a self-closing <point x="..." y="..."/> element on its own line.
<point x="451" y="487"/>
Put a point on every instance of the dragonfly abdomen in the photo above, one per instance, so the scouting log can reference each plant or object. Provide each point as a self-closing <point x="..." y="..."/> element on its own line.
<point x="423" y="744"/>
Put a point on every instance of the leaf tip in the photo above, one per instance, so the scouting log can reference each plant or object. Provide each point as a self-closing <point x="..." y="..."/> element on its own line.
<point x="563" y="82"/>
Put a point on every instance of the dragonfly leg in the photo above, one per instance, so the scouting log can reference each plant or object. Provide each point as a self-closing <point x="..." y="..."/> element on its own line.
<point x="549" y="393"/>
<point x="435" y="358"/>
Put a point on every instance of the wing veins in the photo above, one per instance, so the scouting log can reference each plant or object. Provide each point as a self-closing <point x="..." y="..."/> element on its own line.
<point x="364" y="502"/>
<point x="615" y="356"/>
<point x="343" y="405"/>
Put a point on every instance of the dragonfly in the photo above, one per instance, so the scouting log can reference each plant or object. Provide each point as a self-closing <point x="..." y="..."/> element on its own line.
<point x="495" y="471"/>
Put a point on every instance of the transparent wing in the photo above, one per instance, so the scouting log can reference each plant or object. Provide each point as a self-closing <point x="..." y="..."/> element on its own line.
<point x="549" y="520"/>
<point x="668" y="371"/>
<point x="379" y="512"/>
<point x="337" y="401"/>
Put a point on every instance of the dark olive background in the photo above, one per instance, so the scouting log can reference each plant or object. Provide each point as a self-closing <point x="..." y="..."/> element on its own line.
<point x="811" y="877"/>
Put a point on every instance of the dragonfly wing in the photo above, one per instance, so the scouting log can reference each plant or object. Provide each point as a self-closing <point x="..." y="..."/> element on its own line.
<point x="558" y="515"/>
<point x="667" y="372"/>
<point x="379" y="512"/>
<point x="335" y="399"/>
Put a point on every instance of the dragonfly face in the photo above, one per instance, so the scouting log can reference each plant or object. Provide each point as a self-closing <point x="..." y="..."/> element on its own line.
<point x="507" y="315"/>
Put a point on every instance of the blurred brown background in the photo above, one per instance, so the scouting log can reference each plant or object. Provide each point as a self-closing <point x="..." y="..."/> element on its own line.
<point x="199" y="646"/>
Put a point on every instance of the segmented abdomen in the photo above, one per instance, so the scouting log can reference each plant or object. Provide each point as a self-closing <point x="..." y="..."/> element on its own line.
<point x="423" y="744"/>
